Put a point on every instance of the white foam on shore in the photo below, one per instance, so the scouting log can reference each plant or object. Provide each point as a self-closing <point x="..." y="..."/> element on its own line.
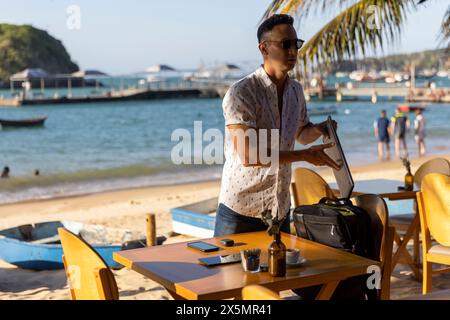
<point x="64" y="189"/>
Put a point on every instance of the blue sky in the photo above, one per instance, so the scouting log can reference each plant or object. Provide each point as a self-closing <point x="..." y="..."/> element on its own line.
<point x="127" y="36"/>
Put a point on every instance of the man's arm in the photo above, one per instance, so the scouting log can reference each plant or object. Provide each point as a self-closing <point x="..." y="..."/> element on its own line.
<point x="309" y="133"/>
<point x="314" y="155"/>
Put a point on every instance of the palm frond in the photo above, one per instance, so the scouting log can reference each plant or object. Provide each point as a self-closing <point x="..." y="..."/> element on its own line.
<point x="353" y="30"/>
<point x="445" y="29"/>
<point x="272" y="8"/>
<point x="302" y="8"/>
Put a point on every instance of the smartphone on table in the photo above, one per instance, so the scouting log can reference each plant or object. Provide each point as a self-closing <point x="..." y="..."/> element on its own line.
<point x="203" y="246"/>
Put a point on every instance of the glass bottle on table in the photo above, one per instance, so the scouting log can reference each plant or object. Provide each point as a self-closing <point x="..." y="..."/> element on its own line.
<point x="409" y="178"/>
<point x="277" y="256"/>
<point x="409" y="181"/>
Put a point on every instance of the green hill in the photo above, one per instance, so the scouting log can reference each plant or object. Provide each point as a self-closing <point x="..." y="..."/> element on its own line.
<point x="24" y="47"/>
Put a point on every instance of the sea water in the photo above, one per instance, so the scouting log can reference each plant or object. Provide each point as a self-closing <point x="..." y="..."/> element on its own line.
<point x="93" y="147"/>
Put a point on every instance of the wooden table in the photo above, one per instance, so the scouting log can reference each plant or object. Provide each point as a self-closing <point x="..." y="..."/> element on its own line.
<point x="176" y="267"/>
<point x="383" y="187"/>
<point x="388" y="189"/>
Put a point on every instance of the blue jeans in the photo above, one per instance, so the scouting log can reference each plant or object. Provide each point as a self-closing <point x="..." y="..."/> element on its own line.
<point x="231" y="222"/>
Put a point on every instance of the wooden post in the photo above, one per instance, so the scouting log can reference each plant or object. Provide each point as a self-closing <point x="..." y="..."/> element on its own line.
<point x="307" y="96"/>
<point x="151" y="229"/>
<point x="374" y="97"/>
<point x="338" y="95"/>
<point x="69" y="87"/>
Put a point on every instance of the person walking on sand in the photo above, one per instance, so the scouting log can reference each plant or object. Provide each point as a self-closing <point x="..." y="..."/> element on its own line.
<point x="419" y="132"/>
<point x="267" y="101"/>
<point x="399" y="126"/>
<point x="381" y="130"/>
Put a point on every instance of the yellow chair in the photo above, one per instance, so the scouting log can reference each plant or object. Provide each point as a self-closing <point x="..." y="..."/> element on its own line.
<point x="409" y="223"/>
<point x="382" y="235"/>
<point x="89" y="276"/>
<point x="309" y="187"/>
<point x="257" y="292"/>
<point x="438" y="165"/>
<point x="434" y="213"/>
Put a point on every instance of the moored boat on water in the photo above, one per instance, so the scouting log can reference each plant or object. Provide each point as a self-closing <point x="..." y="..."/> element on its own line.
<point x="34" y="122"/>
<point x="411" y="107"/>
<point x="322" y="111"/>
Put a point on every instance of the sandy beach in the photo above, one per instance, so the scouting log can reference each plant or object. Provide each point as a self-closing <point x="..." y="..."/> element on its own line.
<point x="127" y="209"/>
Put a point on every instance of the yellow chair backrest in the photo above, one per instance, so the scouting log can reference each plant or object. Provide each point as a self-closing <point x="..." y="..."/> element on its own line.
<point x="435" y="204"/>
<point x="438" y="165"/>
<point x="89" y="276"/>
<point x="375" y="206"/>
<point x="381" y="236"/>
<point x="257" y="292"/>
<point x="309" y="187"/>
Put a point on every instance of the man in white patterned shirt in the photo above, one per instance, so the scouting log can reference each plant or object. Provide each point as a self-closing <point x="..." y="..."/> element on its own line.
<point x="266" y="99"/>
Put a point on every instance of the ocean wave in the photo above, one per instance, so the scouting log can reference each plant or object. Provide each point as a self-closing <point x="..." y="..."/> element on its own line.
<point x="92" y="181"/>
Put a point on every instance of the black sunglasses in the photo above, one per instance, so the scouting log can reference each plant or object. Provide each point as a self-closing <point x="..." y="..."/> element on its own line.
<point x="288" y="44"/>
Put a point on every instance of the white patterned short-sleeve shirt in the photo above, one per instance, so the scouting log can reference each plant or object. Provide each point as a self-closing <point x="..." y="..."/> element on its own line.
<point x="253" y="101"/>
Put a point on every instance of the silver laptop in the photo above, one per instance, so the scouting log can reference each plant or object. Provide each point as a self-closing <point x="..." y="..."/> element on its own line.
<point x="343" y="176"/>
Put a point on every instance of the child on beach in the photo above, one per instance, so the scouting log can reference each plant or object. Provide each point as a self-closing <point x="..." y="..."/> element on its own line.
<point x="419" y="131"/>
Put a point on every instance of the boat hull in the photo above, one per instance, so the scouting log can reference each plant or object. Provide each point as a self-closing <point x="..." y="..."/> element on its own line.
<point x="410" y="108"/>
<point x="45" y="256"/>
<point x="196" y="219"/>
<point x="22" y="123"/>
<point x="38" y="247"/>
<point x="322" y="111"/>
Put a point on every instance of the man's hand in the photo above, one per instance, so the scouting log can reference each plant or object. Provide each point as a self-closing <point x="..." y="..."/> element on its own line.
<point x="316" y="156"/>
<point x="323" y="128"/>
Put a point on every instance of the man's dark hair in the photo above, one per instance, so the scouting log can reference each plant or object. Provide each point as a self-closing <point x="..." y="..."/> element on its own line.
<point x="274" y="20"/>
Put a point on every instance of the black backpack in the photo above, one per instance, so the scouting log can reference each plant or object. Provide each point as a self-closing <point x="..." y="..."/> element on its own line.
<point x="339" y="224"/>
<point x="336" y="223"/>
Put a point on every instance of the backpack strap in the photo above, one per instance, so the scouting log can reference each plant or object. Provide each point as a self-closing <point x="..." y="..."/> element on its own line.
<point x="345" y="201"/>
<point x="301" y="226"/>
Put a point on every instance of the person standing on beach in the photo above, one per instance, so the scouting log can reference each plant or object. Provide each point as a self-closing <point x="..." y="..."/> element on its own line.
<point x="266" y="99"/>
<point x="399" y="126"/>
<point x="381" y="130"/>
<point x="419" y="132"/>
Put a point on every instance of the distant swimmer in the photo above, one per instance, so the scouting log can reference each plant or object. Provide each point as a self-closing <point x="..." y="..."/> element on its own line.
<point x="5" y="172"/>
